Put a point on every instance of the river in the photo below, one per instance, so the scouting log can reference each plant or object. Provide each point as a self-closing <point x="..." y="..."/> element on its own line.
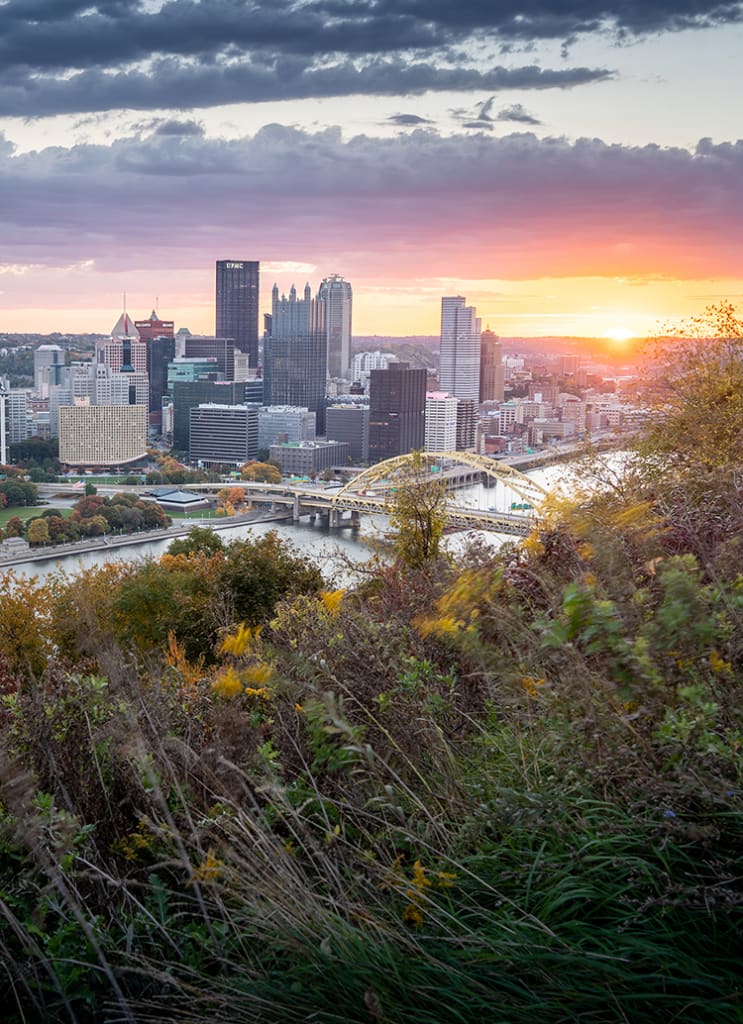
<point x="334" y="551"/>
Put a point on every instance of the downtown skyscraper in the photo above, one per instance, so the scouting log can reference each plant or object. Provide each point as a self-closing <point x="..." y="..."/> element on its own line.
<point x="459" y="357"/>
<point x="295" y="353"/>
<point x="336" y="296"/>
<point x="237" y="304"/>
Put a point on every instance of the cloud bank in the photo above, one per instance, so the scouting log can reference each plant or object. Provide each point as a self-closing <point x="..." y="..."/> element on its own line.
<point x="421" y="203"/>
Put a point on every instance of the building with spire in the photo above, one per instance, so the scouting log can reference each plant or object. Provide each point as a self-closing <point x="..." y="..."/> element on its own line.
<point x="125" y="352"/>
<point x="295" y="353"/>
<point x="158" y="337"/>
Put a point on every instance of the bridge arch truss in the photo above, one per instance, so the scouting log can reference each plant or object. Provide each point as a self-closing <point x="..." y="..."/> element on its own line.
<point x="391" y="469"/>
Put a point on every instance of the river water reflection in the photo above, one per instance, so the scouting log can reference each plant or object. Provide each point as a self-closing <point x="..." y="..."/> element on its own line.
<point x="334" y="551"/>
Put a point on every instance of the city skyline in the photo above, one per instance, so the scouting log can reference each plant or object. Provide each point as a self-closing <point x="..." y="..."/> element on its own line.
<point x="573" y="172"/>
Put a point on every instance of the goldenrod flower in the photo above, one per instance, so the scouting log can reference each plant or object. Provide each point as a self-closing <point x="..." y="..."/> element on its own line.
<point x="239" y="642"/>
<point x="258" y="674"/>
<point x="531" y="685"/>
<point x="209" y="870"/>
<point x="413" y="915"/>
<point x="718" y="665"/>
<point x="332" y="599"/>
<point x="228" y="684"/>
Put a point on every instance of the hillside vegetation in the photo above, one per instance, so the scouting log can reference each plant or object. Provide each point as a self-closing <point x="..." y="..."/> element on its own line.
<point x="505" y="788"/>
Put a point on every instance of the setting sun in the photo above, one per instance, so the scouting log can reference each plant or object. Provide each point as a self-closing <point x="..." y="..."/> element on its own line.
<point x="619" y="334"/>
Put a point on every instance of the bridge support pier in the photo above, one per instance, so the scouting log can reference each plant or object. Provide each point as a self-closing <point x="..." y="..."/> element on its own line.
<point x="355" y="519"/>
<point x="334" y="518"/>
<point x="295" y="509"/>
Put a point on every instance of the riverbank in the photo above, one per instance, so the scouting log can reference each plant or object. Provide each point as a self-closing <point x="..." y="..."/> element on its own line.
<point x="107" y="543"/>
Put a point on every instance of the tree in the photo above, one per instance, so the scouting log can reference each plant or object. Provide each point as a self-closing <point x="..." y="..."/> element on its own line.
<point x="257" y="574"/>
<point x="19" y="492"/>
<point x="261" y="472"/>
<point x="38" y="532"/>
<point x="14" y="527"/>
<point x="417" y="514"/>
<point x="199" y="540"/>
<point x="696" y="393"/>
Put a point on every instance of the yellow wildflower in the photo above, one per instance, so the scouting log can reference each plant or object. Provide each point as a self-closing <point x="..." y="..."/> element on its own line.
<point x="413" y="915"/>
<point x="332" y="600"/>
<point x="263" y="692"/>
<point x="718" y="665"/>
<point x="258" y="674"/>
<point x="445" y="879"/>
<point x="419" y="877"/>
<point x="239" y="642"/>
<point x="531" y="685"/>
<point x="209" y="870"/>
<point x="228" y="684"/>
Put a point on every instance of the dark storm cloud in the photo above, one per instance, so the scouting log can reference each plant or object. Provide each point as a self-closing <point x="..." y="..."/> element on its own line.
<point x="41" y="41"/>
<point x="173" y="85"/>
<point x="523" y="206"/>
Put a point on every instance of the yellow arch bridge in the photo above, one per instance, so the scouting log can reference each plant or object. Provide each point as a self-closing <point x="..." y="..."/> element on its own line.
<point x="372" y="491"/>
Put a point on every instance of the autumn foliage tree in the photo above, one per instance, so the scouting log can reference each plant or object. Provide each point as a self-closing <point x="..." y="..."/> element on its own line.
<point x="696" y="393"/>
<point x="417" y="514"/>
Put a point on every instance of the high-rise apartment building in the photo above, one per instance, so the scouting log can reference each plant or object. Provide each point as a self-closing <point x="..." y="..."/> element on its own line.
<point x="295" y="353"/>
<point x="492" y="371"/>
<point x="397" y="411"/>
<point x="459" y="358"/>
<point x="337" y="297"/>
<point x="102" y="435"/>
<point x="441" y="422"/>
<point x="237" y="305"/>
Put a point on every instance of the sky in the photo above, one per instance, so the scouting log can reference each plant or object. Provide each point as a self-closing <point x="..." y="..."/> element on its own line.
<point x="571" y="167"/>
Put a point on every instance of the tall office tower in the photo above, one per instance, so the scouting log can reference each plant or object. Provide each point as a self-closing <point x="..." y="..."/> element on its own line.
<point x="209" y="347"/>
<point x="337" y="297"/>
<point x="237" y="304"/>
<point x="124" y="352"/>
<point x="397" y="411"/>
<point x="223" y="435"/>
<point x="159" y="338"/>
<point x="295" y="354"/>
<point x="350" y="423"/>
<point x="466" y="424"/>
<point x="492" y="371"/>
<point x="49" y="362"/>
<point x="459" y="360"/>
<point x="188" y="394"/>
<point x="441" y="422"/>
